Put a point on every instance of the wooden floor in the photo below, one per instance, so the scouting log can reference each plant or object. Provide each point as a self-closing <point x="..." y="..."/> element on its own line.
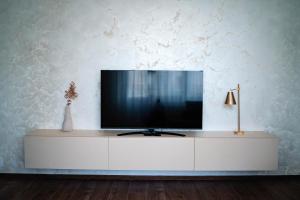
<point x="63" y="188"/>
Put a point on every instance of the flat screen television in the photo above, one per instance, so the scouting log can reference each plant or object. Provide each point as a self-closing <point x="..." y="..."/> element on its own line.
<point x="147" y="99"/>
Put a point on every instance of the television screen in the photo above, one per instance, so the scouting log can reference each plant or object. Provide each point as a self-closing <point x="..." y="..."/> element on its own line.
<point x="141" y="99"/>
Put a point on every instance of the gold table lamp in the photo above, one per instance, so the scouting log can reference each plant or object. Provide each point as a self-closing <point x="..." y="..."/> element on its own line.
<point x="230" y="100"/>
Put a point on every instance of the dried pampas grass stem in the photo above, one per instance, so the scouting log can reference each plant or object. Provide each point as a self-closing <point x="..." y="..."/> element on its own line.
<point x="71" y="94"/>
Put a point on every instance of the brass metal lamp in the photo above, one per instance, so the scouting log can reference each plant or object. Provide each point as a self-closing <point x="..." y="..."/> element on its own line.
<point x="230" y="100"/>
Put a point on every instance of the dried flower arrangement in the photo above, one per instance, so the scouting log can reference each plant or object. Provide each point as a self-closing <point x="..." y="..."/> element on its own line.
<point x="71" y="94"/>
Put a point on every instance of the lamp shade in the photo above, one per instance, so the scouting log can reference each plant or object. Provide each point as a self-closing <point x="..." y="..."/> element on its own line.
<point x="230" y="100"/>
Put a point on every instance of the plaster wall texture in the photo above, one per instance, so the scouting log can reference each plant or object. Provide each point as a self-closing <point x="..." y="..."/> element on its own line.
<point x="45" y="44"/>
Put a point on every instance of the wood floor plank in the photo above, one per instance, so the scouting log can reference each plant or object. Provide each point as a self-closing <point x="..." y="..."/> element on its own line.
<point x="119" y="190"/>
<point x="137" y="190"/>
<point x="206" y="190"/>
<point x="86" y="189"/>
<point x="58" y="191"/>
<point x="31" y="191"/>
<point x="102" y="190"/>
<point x="9" y="190"/>
<point x="173" y="190"/>
<point x="250" y="190"/>
<point x="225" y="190"/>
<point x="156" y="191"/>
<point x="47" y="189"/>
<point x="282" y="190"/>
<point x="189" y="190"/>
<point x="70" y="187"/>
<point x="24" y="186"/>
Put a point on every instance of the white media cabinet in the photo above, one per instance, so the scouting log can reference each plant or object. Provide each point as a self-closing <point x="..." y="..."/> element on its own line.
<point x="104" y="150"/>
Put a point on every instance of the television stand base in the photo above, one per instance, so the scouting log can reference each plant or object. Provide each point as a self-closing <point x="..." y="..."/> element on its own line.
<point x="151" y="132"/>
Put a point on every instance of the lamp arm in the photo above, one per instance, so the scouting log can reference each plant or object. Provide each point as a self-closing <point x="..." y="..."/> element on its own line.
<point x="236" y="89"/>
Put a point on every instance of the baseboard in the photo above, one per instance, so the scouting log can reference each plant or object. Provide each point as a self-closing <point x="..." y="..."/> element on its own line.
<point x="146" y="178"/>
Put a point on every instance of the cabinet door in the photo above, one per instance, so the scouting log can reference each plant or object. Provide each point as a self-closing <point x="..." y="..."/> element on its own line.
<point x="66" y="152"/>
<point x="235" y="154"/>
<point x="145" y="153"/>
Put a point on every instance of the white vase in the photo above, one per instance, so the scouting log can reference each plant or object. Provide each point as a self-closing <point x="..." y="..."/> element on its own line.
<point x="67" y="124"/>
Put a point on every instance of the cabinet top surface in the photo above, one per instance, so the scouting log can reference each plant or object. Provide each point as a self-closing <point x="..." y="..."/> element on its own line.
<point x="109" y="133"/>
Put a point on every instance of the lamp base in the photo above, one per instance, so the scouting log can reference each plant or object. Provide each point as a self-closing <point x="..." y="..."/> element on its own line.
<point x="239" y="133"/>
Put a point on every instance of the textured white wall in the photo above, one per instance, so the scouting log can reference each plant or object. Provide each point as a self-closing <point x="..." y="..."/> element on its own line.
<point x="47" y="43"/>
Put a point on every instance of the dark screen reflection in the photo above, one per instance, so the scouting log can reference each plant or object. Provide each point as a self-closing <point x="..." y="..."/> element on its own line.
<point x="151" y="99"/>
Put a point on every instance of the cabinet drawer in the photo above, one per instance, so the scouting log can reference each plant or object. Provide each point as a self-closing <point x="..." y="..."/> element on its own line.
<point x="145" y="153"/>
<point x="236" y="154"/>
<point x="66" y="152"/>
